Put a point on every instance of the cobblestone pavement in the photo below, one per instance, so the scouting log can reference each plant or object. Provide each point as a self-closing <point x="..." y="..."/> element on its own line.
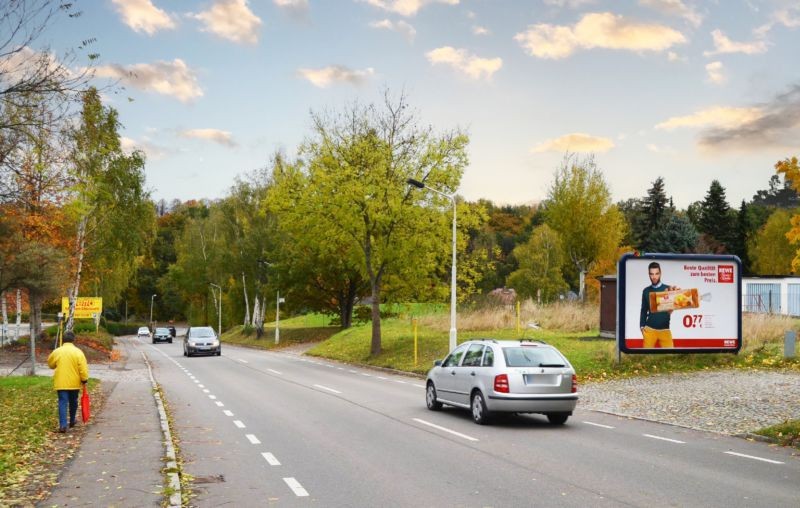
<point x="729" y="401"/>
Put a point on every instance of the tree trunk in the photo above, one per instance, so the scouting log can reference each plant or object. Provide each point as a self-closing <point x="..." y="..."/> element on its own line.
<point x="347" y="301"/>
<point x="375" y="348"/>
<point x="246" y="302"/>
<point x="35" y="301"/>
<point x="4" y="332"/>
<point x="80" y="249"/>
<point x="19" y="312"/>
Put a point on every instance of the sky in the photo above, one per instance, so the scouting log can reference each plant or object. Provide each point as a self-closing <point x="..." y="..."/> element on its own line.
<point x="686" y="90"/>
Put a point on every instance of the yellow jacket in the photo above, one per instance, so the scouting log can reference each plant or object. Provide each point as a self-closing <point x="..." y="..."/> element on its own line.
<point x="70" y="365"/>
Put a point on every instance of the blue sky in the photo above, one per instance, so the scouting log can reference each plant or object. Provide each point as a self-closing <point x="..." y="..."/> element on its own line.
<point x="690" y="91"/>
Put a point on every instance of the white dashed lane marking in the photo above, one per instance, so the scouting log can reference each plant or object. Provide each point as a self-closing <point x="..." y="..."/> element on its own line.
<point x="298" y="489"/>
<point x="228" y="413"/>
<point x="238" y="423"/>
<point x="212" y="397"/>
<point x="220" y="404"/>
<point x="599" y="425"/>
<point x="443" y="429"/>
<point x="755" y="458"/>
<point x="275" y="372"/>
<point x="328" y="389"/>
<point x="253" y="439"/>
<point x="243" y="361"/>
<point x="270" y="458"/>
<point x="664" y="439"/>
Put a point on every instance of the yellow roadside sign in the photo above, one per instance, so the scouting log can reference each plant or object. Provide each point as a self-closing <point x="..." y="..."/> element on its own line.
<point x="85" y="307"/>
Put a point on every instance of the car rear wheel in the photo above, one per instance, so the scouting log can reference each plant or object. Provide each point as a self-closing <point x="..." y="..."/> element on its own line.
<point x="430" y="398"/>
<point x="480" y="414"/>
<point x="558" y="418"/>
<point x="170" y="341"/>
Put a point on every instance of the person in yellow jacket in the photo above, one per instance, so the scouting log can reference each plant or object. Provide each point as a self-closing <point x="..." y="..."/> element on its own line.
<point x="71" y="372"/>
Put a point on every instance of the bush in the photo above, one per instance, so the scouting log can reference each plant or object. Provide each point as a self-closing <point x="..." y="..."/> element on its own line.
<point x="118" y="329"/>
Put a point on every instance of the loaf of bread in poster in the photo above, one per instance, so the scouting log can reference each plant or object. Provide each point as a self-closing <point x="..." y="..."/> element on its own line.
<point x="674" y="300"/>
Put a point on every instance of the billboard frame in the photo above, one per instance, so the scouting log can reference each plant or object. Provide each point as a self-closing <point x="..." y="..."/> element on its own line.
<point x="621" y="302"/>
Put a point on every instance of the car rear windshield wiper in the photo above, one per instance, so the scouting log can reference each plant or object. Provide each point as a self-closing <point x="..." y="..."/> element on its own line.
<point x="551" y="365"/>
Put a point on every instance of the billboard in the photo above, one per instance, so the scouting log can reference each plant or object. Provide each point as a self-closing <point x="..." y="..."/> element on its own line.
<point x="679" y="303"/>
<point x="85" y="307"/>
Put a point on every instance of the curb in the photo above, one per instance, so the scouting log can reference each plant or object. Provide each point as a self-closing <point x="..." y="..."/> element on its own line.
<point x="174" y="481"/>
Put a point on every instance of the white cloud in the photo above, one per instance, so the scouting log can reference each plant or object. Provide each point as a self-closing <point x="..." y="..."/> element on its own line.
<point x="464" y="62"/>
<point x="716" y="73"/>
<point x="716" y="117"/>
<point x="151" y="150"/>
<point x="24" y="61"/>
<point x="297" y="8"/>
<point x="232" y="20"/>
<point x="575" y="142"/>
<point x="406" y="7"/>
<point x="400" y="27"/>
<point x="174" y="79"/>
<point x="789" y="17"/>
<point x="597" y="30"/>
<point x="572" y="4"/>
<point x="214" y="135"/>
<point x="143" y="16"/>
<point x="326" y="76"/>
<point x="722" y="45"/>
<point x="479" y="30"/>
<point x="675" y="8"/>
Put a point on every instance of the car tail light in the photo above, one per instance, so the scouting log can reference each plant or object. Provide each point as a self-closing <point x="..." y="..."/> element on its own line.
<point x="501" y="383"/>
<point x="574" y="383"/>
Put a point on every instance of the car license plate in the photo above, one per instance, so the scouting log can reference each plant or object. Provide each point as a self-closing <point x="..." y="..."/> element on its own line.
<point x="542" y="379"/>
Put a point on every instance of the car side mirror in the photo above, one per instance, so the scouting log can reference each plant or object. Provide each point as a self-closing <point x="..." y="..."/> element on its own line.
<point x="437" y="363"/>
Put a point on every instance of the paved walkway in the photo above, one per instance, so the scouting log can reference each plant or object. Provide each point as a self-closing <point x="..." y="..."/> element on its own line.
<point x="120" y="460"/>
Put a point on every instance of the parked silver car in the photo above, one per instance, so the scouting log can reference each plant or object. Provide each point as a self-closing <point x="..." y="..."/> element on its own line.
<point x="488" y="376"/>
<point x="201" y="340"/>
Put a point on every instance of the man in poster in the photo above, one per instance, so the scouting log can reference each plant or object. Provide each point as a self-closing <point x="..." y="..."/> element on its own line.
<point x="655" y="325"/>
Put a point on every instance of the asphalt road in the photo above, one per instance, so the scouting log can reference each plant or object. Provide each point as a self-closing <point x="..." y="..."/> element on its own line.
<point x="259" y="428"/>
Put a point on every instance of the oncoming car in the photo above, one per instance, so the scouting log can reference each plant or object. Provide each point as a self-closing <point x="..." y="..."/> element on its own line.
<point x="201" y="340"/>
<point x="143" y="333"/>
<point x="162" y="335"/>
<point x="488" y="376"/>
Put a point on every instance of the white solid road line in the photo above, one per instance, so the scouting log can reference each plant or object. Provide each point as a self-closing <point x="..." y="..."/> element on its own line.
<point x="238" y="423"/>
<point x="270" y="458"/>
<point x="664" y="439"/>
<point x="275" y="372"/>
<point x="382" y="378"/>
<point x="218" y="403"/>
<point x="329" y="389"/>
<point x="253" y="439"/>
<point x="401" y="382"/>
<point x="600" y="425"/>
<point x="298" y="489"/>
<point x="243" y="361"/>
<point x="228" y="412"/>
<point x="755" y="458"/>
<point x="443" y="429"/>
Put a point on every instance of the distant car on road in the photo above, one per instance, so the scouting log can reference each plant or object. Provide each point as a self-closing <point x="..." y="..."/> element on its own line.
<point x="143" y="333"/>
<point x="488" y="376"/>
<point x="201" y="340"/>
<point x="162" y="335"/>
<point x="172" y="331"/>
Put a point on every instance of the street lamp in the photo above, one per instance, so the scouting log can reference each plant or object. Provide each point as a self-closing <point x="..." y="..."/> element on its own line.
<point x="151" y="309"/>
<point x="219" y="309"/>
<point x="452" y="198"/>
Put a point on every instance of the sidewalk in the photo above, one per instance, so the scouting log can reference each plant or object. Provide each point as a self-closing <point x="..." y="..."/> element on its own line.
<point x="120" y="459"/>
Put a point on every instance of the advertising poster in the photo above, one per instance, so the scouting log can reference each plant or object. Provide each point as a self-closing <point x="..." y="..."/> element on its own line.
<point x="85" y="307"/>
<point x="673" y="303"/>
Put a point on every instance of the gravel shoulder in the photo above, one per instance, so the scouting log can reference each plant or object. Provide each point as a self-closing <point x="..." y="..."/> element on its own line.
<point x="727" y="401"/>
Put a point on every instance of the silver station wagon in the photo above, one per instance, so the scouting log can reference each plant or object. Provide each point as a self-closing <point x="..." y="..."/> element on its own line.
<point x="488" y="376"/>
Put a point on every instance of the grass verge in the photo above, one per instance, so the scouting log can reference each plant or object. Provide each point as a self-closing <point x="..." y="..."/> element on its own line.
<point x="31" y="451"/>
<point x="786" y="433"/>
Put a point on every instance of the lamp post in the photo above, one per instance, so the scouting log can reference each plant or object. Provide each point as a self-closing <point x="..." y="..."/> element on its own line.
<point x="452" y="198"/>
<point x="219" y="309"/>
<point x="151" y="310"/>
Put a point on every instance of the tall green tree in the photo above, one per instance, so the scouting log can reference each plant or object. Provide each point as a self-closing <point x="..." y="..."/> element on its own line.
<point x="357" y="165"/>
<point x="716" y="219"/>
<point x="114" y="215"/>
<point x="580" y="209"/>
<point x="540" y="260"/>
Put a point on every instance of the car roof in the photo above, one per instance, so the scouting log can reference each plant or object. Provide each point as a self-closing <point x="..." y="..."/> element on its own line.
<point x="510" y="343"/>
<point x="143" y="328"/>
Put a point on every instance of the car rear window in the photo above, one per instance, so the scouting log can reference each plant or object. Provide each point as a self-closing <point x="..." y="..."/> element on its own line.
<point x="532" y="357"/>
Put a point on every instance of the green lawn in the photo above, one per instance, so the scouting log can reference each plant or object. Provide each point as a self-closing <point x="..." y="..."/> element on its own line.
<point x="787" y="433"/>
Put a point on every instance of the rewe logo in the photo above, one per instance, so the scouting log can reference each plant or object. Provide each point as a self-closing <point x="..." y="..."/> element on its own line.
<point x="725" y="273"/>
